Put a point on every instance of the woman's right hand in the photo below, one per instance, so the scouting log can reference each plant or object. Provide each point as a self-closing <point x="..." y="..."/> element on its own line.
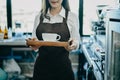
<point x="35" y="47"/>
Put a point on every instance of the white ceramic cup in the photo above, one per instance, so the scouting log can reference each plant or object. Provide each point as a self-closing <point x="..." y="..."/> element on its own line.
<point x="50" y="37"/>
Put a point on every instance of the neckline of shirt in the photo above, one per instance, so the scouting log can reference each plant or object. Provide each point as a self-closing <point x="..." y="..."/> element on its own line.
<point x="61" y="13"/>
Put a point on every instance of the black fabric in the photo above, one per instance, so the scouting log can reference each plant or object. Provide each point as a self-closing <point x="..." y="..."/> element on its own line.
<point x="53" y="62"/>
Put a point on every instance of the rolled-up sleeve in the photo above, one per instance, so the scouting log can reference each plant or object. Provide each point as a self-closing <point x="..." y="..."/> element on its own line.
<point x="73" y="24"/>
<point x="36" y="22"/>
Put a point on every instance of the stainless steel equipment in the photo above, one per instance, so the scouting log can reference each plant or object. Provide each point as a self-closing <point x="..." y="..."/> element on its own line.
<point x="112" y="59"/>
<point x="99" y="26"/>
<point x="95" y="54"/>
<point x="99" y="58"/>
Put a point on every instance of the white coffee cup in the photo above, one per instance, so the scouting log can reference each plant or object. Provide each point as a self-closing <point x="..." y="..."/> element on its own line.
<point x="50" y="37"/>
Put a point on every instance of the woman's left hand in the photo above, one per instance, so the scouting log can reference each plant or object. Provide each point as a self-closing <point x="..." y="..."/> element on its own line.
<point x="71" y="45"/>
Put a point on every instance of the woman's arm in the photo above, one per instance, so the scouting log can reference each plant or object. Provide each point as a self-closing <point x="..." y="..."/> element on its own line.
<point x="36" y="22"/>
<point x="73" y="24"/>
<point x="34" y="37"/>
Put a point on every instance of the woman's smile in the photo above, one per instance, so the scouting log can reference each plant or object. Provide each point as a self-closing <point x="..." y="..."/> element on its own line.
<point x="55" y="3"/>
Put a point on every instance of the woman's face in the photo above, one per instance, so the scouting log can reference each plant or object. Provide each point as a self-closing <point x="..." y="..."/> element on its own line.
<point x="55" y="3"/>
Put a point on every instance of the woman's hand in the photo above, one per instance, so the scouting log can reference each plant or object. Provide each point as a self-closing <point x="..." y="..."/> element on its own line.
<point x="71" y="45"/>
<point x="35" y="47"/>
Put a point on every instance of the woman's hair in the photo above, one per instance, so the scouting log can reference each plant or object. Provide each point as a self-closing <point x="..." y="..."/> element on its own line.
<point x="46" y="5"/>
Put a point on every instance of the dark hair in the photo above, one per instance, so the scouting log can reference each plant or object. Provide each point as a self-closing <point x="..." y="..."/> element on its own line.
<point x="46" y="6"/>
<point x="65" y="4"/>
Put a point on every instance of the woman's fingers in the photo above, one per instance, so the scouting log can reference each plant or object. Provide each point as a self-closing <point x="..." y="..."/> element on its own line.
<point x="70" y="42"/>
<point x="31" y="46"/>
<point x="71" y="45"/>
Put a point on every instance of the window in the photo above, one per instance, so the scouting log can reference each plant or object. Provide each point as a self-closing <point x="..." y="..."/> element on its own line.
<point x="24" y="12"/>
<point x="74" y="6"/>
<point x="89" y="13"/>
<point x="3" y="14"/>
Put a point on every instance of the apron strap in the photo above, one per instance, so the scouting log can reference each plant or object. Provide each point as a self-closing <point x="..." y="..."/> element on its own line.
<point x="41" y="18"/>
<point x="66" y="16"/>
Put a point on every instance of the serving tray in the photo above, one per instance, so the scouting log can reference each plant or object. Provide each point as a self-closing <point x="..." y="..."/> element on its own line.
<point x="46" y="43"/>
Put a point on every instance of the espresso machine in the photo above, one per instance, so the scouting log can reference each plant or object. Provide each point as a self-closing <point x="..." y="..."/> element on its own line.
<point x="99" y="26"/>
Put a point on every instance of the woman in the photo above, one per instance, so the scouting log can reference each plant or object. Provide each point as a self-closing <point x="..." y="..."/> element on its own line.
<point x="53" y="62"/>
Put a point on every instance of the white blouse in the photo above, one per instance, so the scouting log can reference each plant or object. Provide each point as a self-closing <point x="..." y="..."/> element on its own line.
<point x="72" y="22"/>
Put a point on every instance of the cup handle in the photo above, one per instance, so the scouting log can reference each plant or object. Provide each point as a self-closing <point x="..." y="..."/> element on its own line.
<point x="58" y="37"/>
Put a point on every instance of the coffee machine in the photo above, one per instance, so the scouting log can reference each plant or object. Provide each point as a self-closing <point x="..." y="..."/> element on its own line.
<point x="99" y="26"/>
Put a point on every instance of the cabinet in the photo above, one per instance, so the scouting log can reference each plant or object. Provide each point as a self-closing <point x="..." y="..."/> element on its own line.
<point x="23" y="55"/>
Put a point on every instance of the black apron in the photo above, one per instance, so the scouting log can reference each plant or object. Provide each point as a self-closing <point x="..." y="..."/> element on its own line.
<point x="53" y="63"/>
